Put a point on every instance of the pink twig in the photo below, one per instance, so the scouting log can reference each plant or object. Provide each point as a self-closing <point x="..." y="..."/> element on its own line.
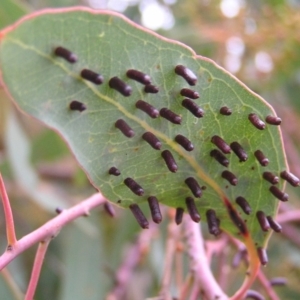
<point x="37" y="266"/>
<point x="51" y="228"/>
<point x="9" y="220"/>
<point x="267" y="286"/>
<point x="203" y="277"/>
<point x="131" y="260"/>
<point x="289" y="216"/>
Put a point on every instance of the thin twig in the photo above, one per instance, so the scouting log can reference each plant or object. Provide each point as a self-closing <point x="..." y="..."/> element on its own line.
<point x="12" y="284"/>
<point x="132" y="259"/>
<point x="267" y="286"/>
<point x="9" y="220"/>
<point x="199" y="264"/>
<point x="51" y="228"/>
<point x="36" y="270"/>
<point x="289" y="216"/>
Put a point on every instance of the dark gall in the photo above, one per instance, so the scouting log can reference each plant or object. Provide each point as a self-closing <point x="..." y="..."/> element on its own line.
<point x="225" y="111"/>
<point x="230" y="177"/>
<point x="170" y="116"/>
<point x="192" y="209"/>
<point x="169" y="160"/>
<point x="76" y="105"/>
<point x="256" y="121"/>
<point x="273" y="120"/>
<point x="109" y="208"/>
<point x="274" y="225"/>
<point x="238" y="222"/>
<point x="189" y="93"/>
<point x="191" y="106"/>
<point x="279" y="194"/>
<point x="138" y="76"/>
<point x="114" y="171"/>
<point x="58" y="210"/>
<point x="119" y="85"/>
<point x="290" y="178"/>
<point x="262" y="220"/>
<point x="147" y="108"/>
<point x="91" y="76"/>
<point x="134" y="186"/>
<point x="262" y="255"/>
<point x="151" y="89"/>
<point x="244" y="205"/>
<point x="179" y="215"/>
<point x="152" y="140"/>
<point x="154" y="209"/>
<point x="193" y="185"/>
<point x="212" y="222"/>
<point x="239" y="151"/>
<point x="261" y="158"/>
<point x="221" y="144"/>
<point x="187" y="74"/>
<point x="219" y="157"/>
<point x="184" y="142"/>
<point x="140" y="217"/>
<point x="66" y="54"/>
<point x="124" y="128"/>
<point x="251" y="294"/>
<point x="270" y="177"/>
<point x="278" y="281"/>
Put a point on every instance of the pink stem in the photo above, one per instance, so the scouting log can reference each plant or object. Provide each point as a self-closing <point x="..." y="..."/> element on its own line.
<point x="266" y="284"/>
<point x="37" y="266"/>
<point x="9" y="220"/>
<point x="203" y="277"/>
<point x="51" y="228"/>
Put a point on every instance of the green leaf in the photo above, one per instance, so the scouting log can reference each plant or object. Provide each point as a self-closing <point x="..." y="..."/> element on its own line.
<point x="43" y="85"/>
<point x="10" y="11"/>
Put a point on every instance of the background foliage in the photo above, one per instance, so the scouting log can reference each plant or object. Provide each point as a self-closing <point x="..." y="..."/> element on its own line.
<point x="260" y="45"/>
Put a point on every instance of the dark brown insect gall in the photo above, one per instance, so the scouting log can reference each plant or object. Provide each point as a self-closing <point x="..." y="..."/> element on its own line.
<point x="66" y="54"/>
<point x="154" y="209"/>
<point x="239" y="151"/>
<point x="140" y="217"/>
<point x="138" y="76"/>
<point x="147" y="108"/>
<point x="230" y="177"/>
<point x="244" y="205"/>
<point x="270" y="177"/>
<point x="76" y="105"/>
<point x="119" y="85"/>
<point x="274" y="225"/>
<point x="219" y="157"/>
<point x="251" y="294"/>
<point x="114" y="171"/>
<point x="290" y="178"/>
<point x="184" y="142"/>
<point x="151" y="89"/>
<point x="279" y="194"/>
<point x="261" y="158"/>
<point x="263" y="221"/>
<point x="189" y="93"/>
<point x="221" y="144"/>
<point x="212" y="222"/>
<point x="109" y="208"/>
<point x="273" y="120"/>
<point x="256" y="121"/>
<point x="192" y="209"/>
<point x="179" y="215"/>
<point x="169" y="160"/>
<point x="193" y="185"/>
<point x="191" y="106"/>
<point x="124" y="128"/>
<point x="262" y="255"/>
<point x="278" y="281"/>
<point x="170" y="116"/>
<point x="187" y="74"/>
<point x="91" y="76"/>
<point x="225" y="111"/>
<point x="152" y="140"/>
<point x="134" y="186"/>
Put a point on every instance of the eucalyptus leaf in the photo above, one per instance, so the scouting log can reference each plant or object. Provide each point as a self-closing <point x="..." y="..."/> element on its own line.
<point x="44" y="84"/>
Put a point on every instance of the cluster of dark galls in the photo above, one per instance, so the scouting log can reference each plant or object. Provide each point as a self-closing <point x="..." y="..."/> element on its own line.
<point x="266" y="222"/>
